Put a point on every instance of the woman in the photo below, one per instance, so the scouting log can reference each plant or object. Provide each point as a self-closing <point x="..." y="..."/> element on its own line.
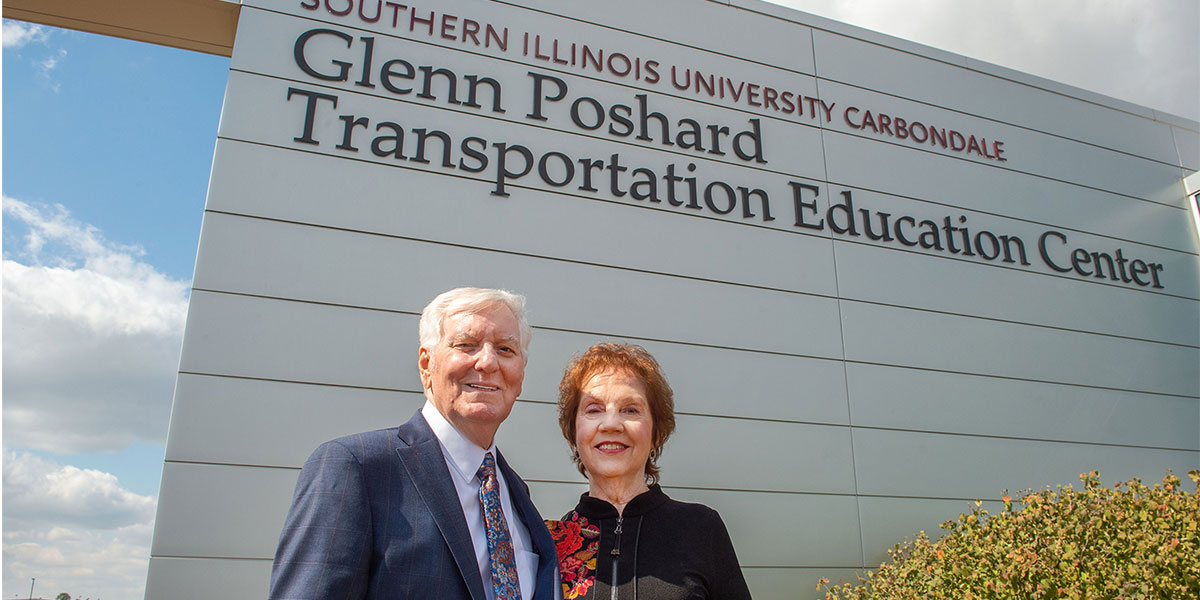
<point x="616" y="410"/>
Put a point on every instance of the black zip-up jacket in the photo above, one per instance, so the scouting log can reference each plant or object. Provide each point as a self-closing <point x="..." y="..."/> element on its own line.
<point x="658" y="549"/>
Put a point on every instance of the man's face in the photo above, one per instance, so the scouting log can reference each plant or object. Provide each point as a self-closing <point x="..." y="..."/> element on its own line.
<point x="474" y="374"/>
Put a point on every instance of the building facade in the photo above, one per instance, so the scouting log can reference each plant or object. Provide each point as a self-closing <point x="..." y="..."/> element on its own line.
<point x="883" y="280"/>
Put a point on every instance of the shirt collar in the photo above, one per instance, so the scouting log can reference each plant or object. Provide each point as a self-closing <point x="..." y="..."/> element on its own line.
<point x="464" y="456"/>
<point x="595" y="508"/>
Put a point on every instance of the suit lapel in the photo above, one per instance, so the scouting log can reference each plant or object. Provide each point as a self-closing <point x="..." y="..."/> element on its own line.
<point x="422" y="459"/>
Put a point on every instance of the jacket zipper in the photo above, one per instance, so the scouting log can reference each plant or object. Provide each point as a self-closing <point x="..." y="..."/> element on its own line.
<point x="616" y="554"/>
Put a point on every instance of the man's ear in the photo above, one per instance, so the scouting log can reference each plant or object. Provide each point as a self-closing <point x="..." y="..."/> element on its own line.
<point x="424" y="358"/>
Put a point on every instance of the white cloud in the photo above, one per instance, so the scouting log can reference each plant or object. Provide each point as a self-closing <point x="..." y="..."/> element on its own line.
<point x="17" y="34"/>
<point x="47" y="64"/>
<point x="91" y="334"/>
<point x="75" y="530"/>
<point x="38" y="492"/>
<point x="91" y="565"/>
<point x="1136" y="50"/>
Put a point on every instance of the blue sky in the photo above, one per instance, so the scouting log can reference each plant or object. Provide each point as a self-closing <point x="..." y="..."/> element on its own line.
<point x="121" y="132"/>
<point x="107" y="146"/>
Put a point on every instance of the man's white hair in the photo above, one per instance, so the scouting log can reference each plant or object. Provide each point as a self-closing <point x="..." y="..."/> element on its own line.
<point x="470" y="300"/>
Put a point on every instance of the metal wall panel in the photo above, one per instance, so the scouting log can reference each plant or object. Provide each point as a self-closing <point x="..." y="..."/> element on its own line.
<point x="790" y="153"/>
<point x="1044" y="248"/>
<point x="857" y="162"/>
<point x="208" y="404"/>
<point x="240" y="336"/>
<point x="235" y="421"/>
<point x="741" y="383"/>
<point x="431" y="207"/>
<point x="774" y="43"/>
<point x="530" y="439"/>
<point x="1022" y="150"/>
<point x="760" y="523"/>
<point x="330" y="266"/>
<point x="877" y="67"/>
<point x="921" y="400"/>
<point x="766" y="533"/>
<point x="263" y="54"/>
<point x="777" y="44"/>
<point x="330" y="344"/>
<point x="713" y="381"/>
<point x="930" y="465"/>
<point x="207" y="578"/>
<point x="1188" y="143"/>
<point x="995" y="291"/>
<point x="794" y="582"/>
<point x="781" y="138"/>
<point x="555" y="499"/>
<point x="201" y="504"/>
<point x="889" y="521"/>
<point x="906" y="337"/>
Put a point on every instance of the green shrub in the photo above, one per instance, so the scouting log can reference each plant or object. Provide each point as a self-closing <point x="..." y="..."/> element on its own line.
<point x="1129" y="542"/>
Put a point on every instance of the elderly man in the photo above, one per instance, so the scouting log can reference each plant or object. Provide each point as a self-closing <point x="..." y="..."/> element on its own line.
<point x="429" y="509"/>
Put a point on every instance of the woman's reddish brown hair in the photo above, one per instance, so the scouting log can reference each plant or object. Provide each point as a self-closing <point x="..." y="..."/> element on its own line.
<point x="626" y="358"/>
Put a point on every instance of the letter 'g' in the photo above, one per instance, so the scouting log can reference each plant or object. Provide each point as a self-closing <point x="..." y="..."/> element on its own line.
<point x="302" y="61"/>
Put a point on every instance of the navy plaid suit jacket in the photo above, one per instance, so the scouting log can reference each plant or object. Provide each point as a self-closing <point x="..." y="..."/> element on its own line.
<point x="375" y="516"/>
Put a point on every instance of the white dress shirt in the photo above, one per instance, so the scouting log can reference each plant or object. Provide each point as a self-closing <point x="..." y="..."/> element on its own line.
<point x="463" y="459"/>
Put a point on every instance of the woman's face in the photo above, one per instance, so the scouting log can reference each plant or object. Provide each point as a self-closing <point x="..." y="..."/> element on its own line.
<point x="614" y="430"/>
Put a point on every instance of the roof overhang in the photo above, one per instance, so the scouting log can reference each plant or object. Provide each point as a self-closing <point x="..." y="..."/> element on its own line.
<point x="202" y="25"/>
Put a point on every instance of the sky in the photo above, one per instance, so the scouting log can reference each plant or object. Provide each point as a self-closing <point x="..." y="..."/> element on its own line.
<point x="107" y="146"/>
<point x="1142" y="51"/>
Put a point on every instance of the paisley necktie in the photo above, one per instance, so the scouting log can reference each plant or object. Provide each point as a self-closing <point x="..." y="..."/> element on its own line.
<point x="500" y="548"/>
